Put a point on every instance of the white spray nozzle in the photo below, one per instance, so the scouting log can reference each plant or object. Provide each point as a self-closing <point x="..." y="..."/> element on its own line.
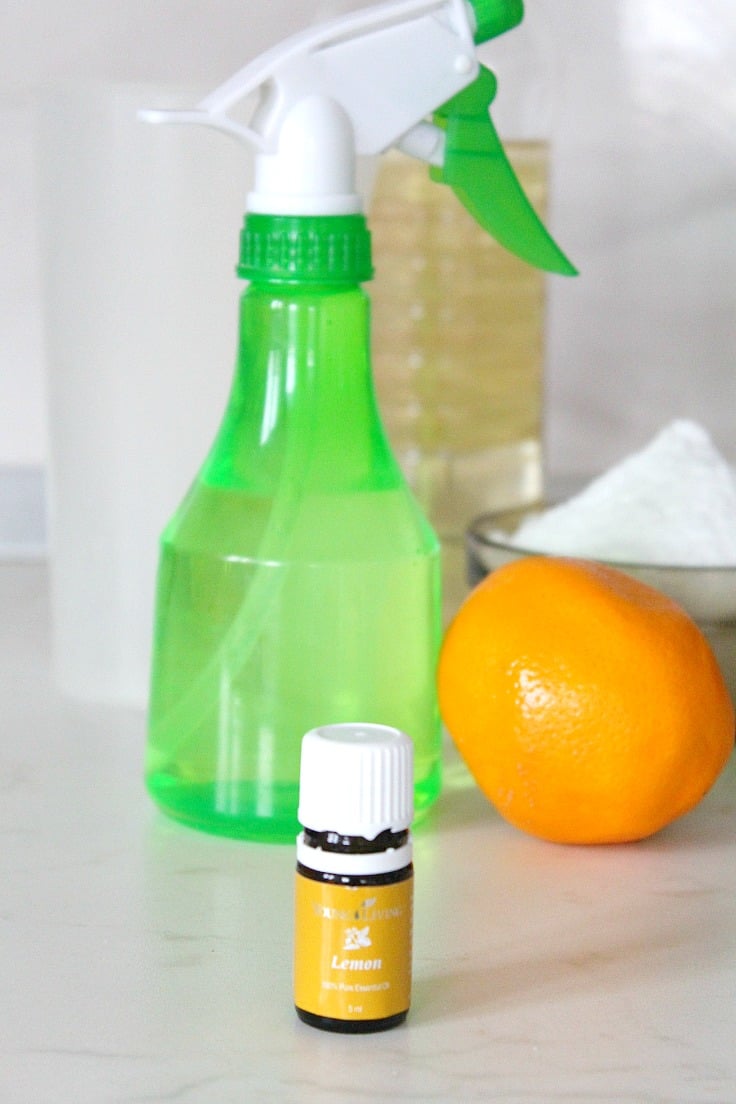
<point x="354" y="86"/>
<point x="368" y="81"/>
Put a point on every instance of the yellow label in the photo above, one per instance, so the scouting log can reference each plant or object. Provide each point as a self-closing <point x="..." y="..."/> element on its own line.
<point x="352" y="949"/>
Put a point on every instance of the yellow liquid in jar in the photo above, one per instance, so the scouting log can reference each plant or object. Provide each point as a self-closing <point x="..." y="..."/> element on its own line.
<point x="458" y="335"/>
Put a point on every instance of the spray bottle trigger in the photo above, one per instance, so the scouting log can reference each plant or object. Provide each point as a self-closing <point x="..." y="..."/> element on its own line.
<point x="479" y="172"/>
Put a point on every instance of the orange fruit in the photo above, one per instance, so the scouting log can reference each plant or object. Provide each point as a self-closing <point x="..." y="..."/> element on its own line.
<point x="588" y="706"/>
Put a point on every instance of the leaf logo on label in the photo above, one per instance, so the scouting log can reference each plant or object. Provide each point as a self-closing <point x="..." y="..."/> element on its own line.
<point x="357" y="938"/>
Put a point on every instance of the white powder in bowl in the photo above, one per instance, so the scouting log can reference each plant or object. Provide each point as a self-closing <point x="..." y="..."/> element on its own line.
<point x="674" y="502"/>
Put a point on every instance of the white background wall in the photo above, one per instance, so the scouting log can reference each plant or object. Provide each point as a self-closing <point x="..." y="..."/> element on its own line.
<point x="639" y="97"/>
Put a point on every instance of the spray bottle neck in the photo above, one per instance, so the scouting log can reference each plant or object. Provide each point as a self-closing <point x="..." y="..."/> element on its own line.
<point x="306" y="249"/>
<point x="303" y="398"/>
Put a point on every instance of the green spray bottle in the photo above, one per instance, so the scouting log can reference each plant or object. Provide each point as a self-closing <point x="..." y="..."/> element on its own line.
<point x="299" y="581"/>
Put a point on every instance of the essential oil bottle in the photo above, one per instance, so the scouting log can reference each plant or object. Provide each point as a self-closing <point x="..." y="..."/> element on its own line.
<point x="354" y="880"/>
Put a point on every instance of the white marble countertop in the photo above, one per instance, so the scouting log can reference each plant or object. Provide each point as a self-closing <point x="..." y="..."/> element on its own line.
<point x="141" y="961"/>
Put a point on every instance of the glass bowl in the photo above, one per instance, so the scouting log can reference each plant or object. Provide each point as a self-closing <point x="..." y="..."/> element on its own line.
<point x="708" y="594"/>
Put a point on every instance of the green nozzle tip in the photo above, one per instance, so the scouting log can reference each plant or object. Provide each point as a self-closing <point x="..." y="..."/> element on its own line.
<point x="493" y="17"/>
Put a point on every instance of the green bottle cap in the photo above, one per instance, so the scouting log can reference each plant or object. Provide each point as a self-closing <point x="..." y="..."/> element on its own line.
<point x="327" y="249"/>
<point x="494" y="17"/>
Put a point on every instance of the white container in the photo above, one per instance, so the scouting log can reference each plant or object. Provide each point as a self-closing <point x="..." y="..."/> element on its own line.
<point x="140" y="238"/>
